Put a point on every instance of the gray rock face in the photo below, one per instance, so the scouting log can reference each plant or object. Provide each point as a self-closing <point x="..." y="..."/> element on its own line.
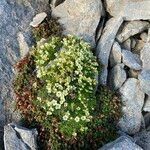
<point x="145" y="54"/>
<point x="122" y="143"/>
<point x="115" y="54"/>
<point x="105" y="44"/>
<point x="129" y="9"/>
<point x="132" y="28"/>
<point x="127" y="44"/>
<point x="144" y="36"/>
<point x="143" y="139"/>
<point x="15" y="17"/>
<point x="117" y="76"/>
<point x="144" y="78"/>
<point x="131" y="60"/>
<point x="138" y="47"/>
<point x="133" y="99"/>
<point x="18" y="138"/>
<point x="147" y="104"/>
<point x="38" y="19"/>
<point x="77" y="18"/>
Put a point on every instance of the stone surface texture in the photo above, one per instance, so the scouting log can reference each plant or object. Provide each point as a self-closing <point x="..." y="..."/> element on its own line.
<point x="19" y="138"/>
<point x="117" y="76"/>
<point x="133" y="99"/>
<point x="77" y="18"/>
<point x="122" y="143"/>
<point x="15" y="17"/>
<point x="131" y="60"/>
<point x="131" y="28"/>
<point x="115" y="54"/>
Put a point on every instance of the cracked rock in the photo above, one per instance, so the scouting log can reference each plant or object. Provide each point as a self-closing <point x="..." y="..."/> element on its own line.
<point x="117" y="76"/>
<point x="115" y="54"/>
<point x="19" y="138"/>
<point x="131" y="28"/>
<point x="131" y="60"/>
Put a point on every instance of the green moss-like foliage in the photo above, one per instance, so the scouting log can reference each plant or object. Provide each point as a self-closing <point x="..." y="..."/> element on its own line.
<point x="56" y="92"/>
<point x="48" y="28"/>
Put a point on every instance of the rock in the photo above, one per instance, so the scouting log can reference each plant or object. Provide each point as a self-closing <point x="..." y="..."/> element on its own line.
<point x="144" y="78"/>
<point x="122" y="143"/>
<point x="77" y="18"/>
<point x="129" y="9"/>
<point x="117" y="76"/>
<point x="24" y="48"/>
<point x="133" y="73"/>
<point x="147" y="119"/>
<point x="115" y="54"/>
<point x="146" y="106"/>
<point x="138" y="47"/>
<point x="133" y="43"/>
<point x="132" y="98"/>
<point x="105" y="43"/>
<point x="103" y="76"/>
<point x="38" y="19"/>
<point x="131" y="28"/>
<point x="143" y="139"/>
<point x="19" y="138"/>
<point x="145" y="54"/>
<point x="131" y="60"/>
<point x="127" y="44"/>
<point x="144" y="36"/>
<point x="15" y="17"/>
<point x="55" y="3"/>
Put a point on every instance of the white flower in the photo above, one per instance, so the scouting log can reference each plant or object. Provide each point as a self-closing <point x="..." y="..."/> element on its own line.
<point x="77" y="119"/>
<point x="83" y="118"/>
<point x="54" y="102"/>
<point x="58" y="94"/>
<point x="49" y="113"/>
<point x="58" y="106"/>
<point x="65" y="117"/>
<point x="78" y="108"/>
<point x="65" y="104"/>
<point x="74" y="134"/>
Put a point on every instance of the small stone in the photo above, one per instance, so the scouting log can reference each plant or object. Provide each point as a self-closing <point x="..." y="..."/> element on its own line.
<point x="146" y="107"/>
<point x="131" y="28"/>
<point x="143" y="139"/>
<point x="144" y="36"/>
<point x="24" y="48"/>
<point x="122" y="143"/>
<point x="133" y="73"/>
<point x="115" y="54"/>
<point x="144" y="78"/>
<point x="138" y="47"/>
<point x="38" y="19"/>
<point x="127" y="44"/>
<point x="145" y="54"/>
<point x="131" y="60"/>
<point x="19" y="138"/>
<point x="117" y="77"/>
<point x="133" y="43"/>
<point x="105" y="43"/>
<point x="11" y="140"/>
<point x="132" y="98"/>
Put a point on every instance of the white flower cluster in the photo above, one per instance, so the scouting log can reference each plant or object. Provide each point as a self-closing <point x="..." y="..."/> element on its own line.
<point x="69" y="77"/>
